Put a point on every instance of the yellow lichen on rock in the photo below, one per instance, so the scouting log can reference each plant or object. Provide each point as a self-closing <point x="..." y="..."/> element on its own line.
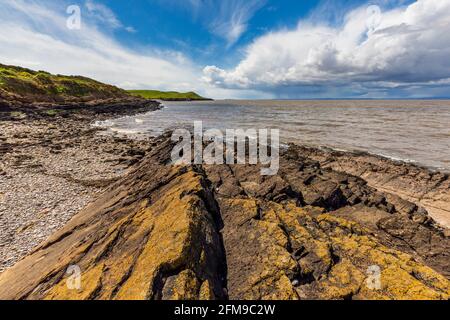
<point x="344" y="280"/>
<point x="171" y="241"/>
<point x="399" y="272"/>
<point x="184" y="286"/>
<point x="220" y="232"/>
<point x="258" y="262"/>
<point x="139" y="249"/>
<point x="298" y="255"/>
<point x="301" y="237"/>
<point x="206" y="291"/>
<point x="89" y="281"/>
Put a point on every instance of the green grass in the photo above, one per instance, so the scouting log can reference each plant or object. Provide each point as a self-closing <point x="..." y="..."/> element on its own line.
<point x="41" y="86"/>
<point x="169" y="95"/>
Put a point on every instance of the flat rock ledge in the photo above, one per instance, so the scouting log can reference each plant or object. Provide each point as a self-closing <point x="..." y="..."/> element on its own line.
<point x="226" y="232"/>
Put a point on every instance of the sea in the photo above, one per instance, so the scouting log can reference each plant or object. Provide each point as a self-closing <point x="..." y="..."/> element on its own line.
<point x="416" y="131"/>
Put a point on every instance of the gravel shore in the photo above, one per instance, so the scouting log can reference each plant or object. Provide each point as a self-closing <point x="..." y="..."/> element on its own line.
<point x="51" y="168"/>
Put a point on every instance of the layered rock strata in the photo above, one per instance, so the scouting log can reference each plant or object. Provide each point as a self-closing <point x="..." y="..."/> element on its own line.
<point x="226" y="232"/>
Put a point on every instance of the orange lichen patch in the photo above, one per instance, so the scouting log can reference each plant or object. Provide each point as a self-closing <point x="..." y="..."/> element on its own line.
<point x="400" y="273"/>
<point x="256" y="253"/>
<point x="276" y="287"/>
<point x="239" y="211"/>
<point x="344" y="280"/>
<point x="90" y="282"/>
<point x="175" y="219"/>
<point x="206" y="291"/>
<point x="131" y="251"/>
<point x="298" y="225"/>
<point x="184" y="286"/>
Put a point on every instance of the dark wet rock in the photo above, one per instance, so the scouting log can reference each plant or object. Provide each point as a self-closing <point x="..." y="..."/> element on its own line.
<point x="397" y="180"/>
<point x="225" y="231"/>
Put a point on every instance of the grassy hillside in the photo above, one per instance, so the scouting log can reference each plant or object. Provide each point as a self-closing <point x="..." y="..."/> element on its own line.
<point x="169" y="95"/>
<point x="25" y="85"/>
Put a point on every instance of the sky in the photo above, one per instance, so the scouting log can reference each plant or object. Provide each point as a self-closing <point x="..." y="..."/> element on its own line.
<point x="258" y="49"/>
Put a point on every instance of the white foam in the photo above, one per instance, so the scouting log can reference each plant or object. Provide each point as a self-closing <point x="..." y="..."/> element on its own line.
<point x="393" y="157"/>
<point x="124" y="131"/>
<point x="105" y="123"/>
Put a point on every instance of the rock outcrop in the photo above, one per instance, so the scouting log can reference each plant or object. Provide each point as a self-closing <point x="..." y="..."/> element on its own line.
<point x="398" y="180"/>
<point x="30" y="94"/>
<point x="226" y="232"/>
<point x="24" y="86"/>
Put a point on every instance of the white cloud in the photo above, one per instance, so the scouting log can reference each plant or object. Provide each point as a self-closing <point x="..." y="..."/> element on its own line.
<point x="103" y="14"/>
<point x="409" y="45"/>
<point x="232" y="18"/>
<point x="226" y="19"/>
<point x="34" y="35"/>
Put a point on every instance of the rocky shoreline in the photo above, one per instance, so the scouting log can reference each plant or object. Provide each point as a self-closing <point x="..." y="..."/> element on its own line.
<point x="139" y="228"/>
<point x="429" y="189"/>
<point x="54" y="165"/>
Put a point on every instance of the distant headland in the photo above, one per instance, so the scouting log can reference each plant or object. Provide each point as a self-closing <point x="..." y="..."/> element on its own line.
<point x="168" y="95"/>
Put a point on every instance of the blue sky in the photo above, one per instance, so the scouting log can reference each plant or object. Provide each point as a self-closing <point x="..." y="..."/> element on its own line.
<point x="240" y="48"/>
<point x="179" y="25"/>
